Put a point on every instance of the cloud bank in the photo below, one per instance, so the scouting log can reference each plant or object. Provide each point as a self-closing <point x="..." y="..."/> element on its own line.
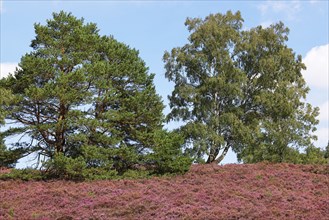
<point x="324" y="111"/>
<point x="7" y="68"/>
<point x="317" y="78"/>
<point x="323" y="134"/>
<point x="316" y="61"/>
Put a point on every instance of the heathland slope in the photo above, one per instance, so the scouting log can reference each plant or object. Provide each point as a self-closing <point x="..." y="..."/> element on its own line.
<point x="255" y="191"/>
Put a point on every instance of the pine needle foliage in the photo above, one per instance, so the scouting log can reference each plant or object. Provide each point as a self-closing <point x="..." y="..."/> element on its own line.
<point x="83" y="100"/>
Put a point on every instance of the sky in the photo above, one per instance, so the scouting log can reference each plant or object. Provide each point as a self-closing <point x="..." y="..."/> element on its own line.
<point x="153" y="27"/>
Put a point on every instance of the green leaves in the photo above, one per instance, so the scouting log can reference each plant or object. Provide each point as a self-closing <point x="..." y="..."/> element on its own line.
<point x="238" y="89"/>
<point x="167" y="156"/>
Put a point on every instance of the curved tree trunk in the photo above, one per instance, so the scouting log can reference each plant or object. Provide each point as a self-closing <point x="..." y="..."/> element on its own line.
<point x="221" y="157"/>
<point x="214" y="153"/>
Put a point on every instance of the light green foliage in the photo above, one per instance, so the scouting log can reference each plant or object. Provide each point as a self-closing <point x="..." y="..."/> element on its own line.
<point x="314" y="155"/>
<point x="326" y="154"/>
<point x="85" y="101"/>
<point x="239" y="89"/>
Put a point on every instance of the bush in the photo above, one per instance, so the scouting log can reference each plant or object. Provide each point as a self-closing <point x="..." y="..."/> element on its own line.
<point x="98" y="163"/>
<point x="22" y="174"/>
<point x="99" y="174"/>
<point x="167" y="156"/>
<point x="94" y="164"/>
<point x="314" y="155"/>
<point x="136" y="174"/>
<point x="63" y="167"/>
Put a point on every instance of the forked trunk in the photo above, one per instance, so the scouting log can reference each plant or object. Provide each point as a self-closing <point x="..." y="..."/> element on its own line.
<point x="213" y="155"/>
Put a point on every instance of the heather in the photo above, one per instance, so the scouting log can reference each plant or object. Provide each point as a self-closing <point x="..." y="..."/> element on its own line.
<point x="248" y="191"/>
<point x="86" y="106"/>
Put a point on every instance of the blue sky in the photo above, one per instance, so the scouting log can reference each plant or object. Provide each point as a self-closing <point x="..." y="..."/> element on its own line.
<point x="155" y="26"/>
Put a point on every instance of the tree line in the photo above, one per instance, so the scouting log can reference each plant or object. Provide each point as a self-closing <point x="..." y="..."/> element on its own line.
<point x="86" y="105"/>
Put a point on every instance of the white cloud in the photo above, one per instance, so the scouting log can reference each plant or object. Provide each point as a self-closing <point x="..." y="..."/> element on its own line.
<point x="266" y="24"/>
<point x="317" y="72"/>
<point x="323" y="137"/>
<point x="6" y="68"/>
<point x="324" y="111"/>
<point x="1" y="7"/>
<point x="287" y="8"/>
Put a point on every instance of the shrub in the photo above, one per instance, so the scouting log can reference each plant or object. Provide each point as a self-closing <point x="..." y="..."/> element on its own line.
<point x="65" y="167"/>
<point x="167" y="156"/>
<point x="314" y="155"/>
<point x="136" y="174"/>
<point x="99" y="174"/>
<point x="22" y="174"/>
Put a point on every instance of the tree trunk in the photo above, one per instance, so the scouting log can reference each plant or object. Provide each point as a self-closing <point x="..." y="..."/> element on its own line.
<point x="60" y="139"/>
<point x="219" y="159"/>
<point x="213" y="154"/>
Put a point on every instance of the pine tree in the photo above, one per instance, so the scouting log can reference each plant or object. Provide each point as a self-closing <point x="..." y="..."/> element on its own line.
<point x="84" y="96"/>
<point x="8" y="157"/>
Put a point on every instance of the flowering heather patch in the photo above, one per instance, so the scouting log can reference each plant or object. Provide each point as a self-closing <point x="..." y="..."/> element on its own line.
<point x="253" y="191"/>
<point x="4" y="170"/>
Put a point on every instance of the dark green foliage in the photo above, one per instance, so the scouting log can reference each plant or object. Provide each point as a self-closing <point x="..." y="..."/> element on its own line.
<point x="239" y="89"/>
<point x="23" y="174"/>
<point x="97" y="157"/>
<point x="52" y="83"/>
<point x="83" y="101"/>
<point x="64" y="167"/>
<point x="9" y="157"/>
<point x="167" y="156"/>
<point x="6" y="98"/>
